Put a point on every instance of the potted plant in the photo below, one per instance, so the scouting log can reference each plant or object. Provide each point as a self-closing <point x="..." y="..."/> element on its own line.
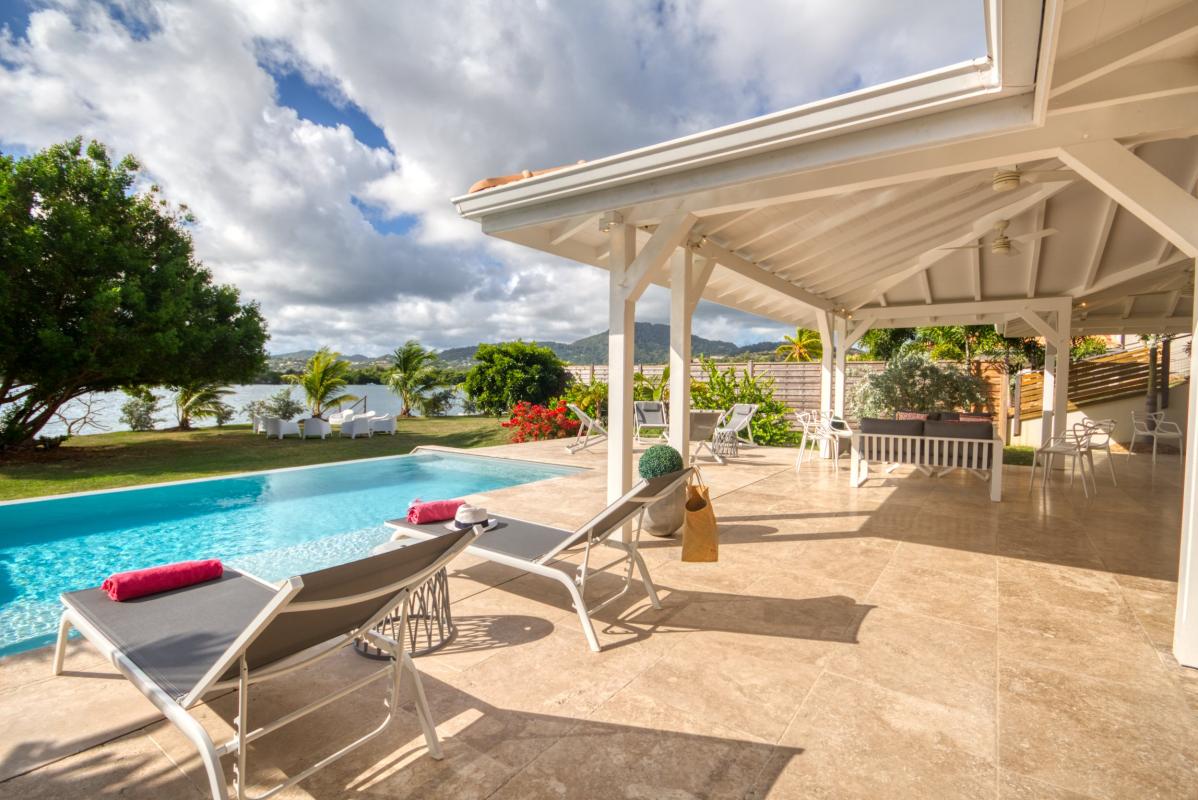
<point x="665" y="516"/>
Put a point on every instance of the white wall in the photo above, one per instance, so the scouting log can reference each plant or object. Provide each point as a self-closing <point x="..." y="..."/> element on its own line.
<point x="1118" y="410"/>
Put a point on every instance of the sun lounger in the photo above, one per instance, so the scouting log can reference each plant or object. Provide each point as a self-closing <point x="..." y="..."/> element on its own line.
<point x="229" y="633"/>
<point x="533" y="548"/>
<point x="738" y="420"/>
<point x="703" y="428"/>
<point x="650" y="414"/>
<point x="591" y="432"/>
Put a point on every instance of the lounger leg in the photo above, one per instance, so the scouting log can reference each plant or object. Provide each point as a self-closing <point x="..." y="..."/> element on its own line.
<point x="60" y="648"/>
<point x="422" y="709"/>
<point x="650" y="589"/>
<point x="584" y="616"/>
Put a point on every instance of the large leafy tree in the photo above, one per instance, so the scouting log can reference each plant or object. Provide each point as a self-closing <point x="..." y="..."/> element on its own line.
<point x="100" y="288"/>
<point x="506" y="373"/>
<point x="805" y="345"/>
<point x="323" y="380"/>
<point x="418" y="380"/>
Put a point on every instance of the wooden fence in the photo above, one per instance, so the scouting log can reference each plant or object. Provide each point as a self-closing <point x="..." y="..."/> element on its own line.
<point x="795" y="383"/>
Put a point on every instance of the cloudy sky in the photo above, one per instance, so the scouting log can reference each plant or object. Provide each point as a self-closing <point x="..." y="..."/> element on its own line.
<point x="318" y="142"/>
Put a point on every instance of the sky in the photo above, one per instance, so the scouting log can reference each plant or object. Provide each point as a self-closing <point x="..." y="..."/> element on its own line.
<point x="318" y="143"/>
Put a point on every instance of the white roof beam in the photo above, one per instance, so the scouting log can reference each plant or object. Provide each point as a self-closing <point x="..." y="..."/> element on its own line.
<point x="1128" y="304"/>
<point x="699" y="280"/>
<point x="975" y="270"/>
<point x="1127" y="274"/>
<point x="966" y="309"/>
<point x="1155" y="79"/>
<point x="668" y="237"/>
<point x="1160" y="203"/>
<point x="1106" y="222"/>
<point x="1172" y="303"/>
<point x="925" y="287"/>
<point x="1034" y="249"/>
<point x="1107" y="325"/>
<point x="1128" y="46"/>
<point x="753" y="272"/>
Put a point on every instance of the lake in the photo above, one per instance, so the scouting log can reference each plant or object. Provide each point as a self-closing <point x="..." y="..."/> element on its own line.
<point x="107" y="405"/>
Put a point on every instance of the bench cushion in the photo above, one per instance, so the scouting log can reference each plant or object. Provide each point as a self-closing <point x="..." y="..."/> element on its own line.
<point x="959" y="430"/>
<point x="893" y="427"/>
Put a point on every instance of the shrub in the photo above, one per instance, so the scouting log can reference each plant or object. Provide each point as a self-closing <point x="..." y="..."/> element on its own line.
<point x="723" y="389"/>
<point x="590" y="397"/>
<point x="282" y="405"/>
<point x="508" y="373"/>
<point x="138" y="412"/>
<point x="660" y="459"/>
<point x="223" y="414"/>
<point x="913" y="382"/>
<point x="531" y="422"/>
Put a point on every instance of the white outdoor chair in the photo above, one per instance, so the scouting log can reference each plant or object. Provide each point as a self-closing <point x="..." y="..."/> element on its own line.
<point x="360" y="425"/>
<point x="339" y="416"/>
<point x="1101" y="434"/>
<point x="1155" y="427"/>
<point x="278" y="428"/>
<point x="590" y="432"/>
<point x="738" y="420"/>
<point x="1073" y="445"/>
<point x="650" y="414"/>
<point x="258" y="423"/>
<point x="837" y="431"/>
<point x="813" y="431"/>
<point x="317" y="428"/>
<point x="383" y="424"/>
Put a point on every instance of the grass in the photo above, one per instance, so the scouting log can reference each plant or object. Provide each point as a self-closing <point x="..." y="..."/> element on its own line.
<point x="109" y="460"/>
<point x="1018" y="455"/>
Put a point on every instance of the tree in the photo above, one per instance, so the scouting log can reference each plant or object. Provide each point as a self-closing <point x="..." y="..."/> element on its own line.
<point x="201" y="401"/>
<point x="883" y="344"/>
<point x="805" y="345"/>
<point x="418" y="381"/>
<point x="100" y="288"/>
<point x="139" y="412"/>
<point x="648" y="387"/>
<point x="506" y="373"/>
<point x="322" y="381"/>
<point x="914" y="382"/>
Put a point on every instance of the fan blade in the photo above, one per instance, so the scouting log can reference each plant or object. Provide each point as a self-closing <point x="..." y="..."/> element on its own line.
<point x="1028" y="237"/>
<point x="1048" y="176"/>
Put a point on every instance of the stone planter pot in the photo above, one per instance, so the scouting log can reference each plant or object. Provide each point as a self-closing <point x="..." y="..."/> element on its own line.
<point x="666" y="516"/>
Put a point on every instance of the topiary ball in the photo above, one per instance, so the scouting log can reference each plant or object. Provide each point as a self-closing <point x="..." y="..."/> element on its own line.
<point x="658" y="460"/>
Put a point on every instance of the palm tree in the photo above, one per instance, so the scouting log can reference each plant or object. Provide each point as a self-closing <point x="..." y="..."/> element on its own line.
<point x="322" y="380"/>
<point x="200" y="401"/>
<point x="657" y="387"/>
<point x="805" y="345"/>
<point x="416" y="379"/>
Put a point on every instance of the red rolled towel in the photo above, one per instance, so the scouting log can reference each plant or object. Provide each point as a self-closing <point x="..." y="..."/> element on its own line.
<point x="421" y="512"/>
<point x="152" y="580"/>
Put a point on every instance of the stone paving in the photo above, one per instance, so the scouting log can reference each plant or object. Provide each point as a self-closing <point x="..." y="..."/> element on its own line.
<point x="906" y="639"/>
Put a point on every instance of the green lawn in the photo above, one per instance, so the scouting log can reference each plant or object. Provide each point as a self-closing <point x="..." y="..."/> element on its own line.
<point x="1018" y="455"/>
<point x="107" y="460"/>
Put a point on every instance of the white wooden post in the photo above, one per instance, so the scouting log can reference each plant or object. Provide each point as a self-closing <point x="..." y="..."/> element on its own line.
<point x="1048" y="398"/>
<point x="840" y="334"/>
<point x="1185" y="626"/>
<point x="681" y="287"/>
<point x="620" y="346"/>
<point x="828" y="347"/>
<point x="1060" y="404"/>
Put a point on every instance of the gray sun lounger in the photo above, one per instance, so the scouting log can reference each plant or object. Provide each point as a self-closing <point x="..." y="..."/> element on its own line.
<point x="238" y="630"/>
<point x="534" y="548"/>
<point x="650" y="414"/>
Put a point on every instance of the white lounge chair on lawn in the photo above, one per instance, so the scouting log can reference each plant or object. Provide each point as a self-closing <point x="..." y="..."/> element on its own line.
<point x="338" y="417"/>
<point x="383" y="424"/>
<point x="535" y="548"/>
<point x="357" y="426"/>
<point x="650" y="414"/>
<point x="317" y="428"/>
<point x="237" y="631"/>
<point x="591" y="432"/>
<point x="737" y="420"/>
<point x="278" y="428"/>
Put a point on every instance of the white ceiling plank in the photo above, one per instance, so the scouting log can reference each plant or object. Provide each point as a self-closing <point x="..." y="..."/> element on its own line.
<point x="753" y="272"/>
<point x="765" y="231"/>
<point x="733" y="219"/>
<point x="1128" y="46"/>
<point x="1106" y="222"/>
<point x="1155" y="79"/>
<point x="1160" y="203"/>
<point x="569" y="228"/>
<point x="1034" y="249"/>
<point x="1128" y="274"/>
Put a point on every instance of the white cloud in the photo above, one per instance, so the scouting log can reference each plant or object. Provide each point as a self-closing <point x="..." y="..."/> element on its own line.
<point x="461" y="91"/>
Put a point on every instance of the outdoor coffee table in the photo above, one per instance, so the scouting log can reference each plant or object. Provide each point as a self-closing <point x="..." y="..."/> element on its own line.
<point x="430" y="622"/>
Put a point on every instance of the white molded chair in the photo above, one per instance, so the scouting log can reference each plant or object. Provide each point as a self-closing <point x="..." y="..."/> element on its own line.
<point x="1073" y="445"/>
<point x="1155" y="427"/>
<point x="813" y="431"/>
<point x="360" y="425"/>
<point x="1101" y="433"/>
<point x="317" y="428"/>
<point x="383" y="424"/>
<point x="278" y="428"/>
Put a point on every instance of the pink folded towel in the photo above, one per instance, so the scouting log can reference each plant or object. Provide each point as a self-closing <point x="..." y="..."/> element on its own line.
<point x="152" y="580"/>
<point x="421" y="512"/>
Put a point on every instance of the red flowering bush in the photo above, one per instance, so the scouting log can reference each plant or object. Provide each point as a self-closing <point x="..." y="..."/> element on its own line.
<point x="532" y="422"/>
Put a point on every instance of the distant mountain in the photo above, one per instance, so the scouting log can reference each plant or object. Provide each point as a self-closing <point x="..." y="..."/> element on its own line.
<point x="652" y="347"/>
<point x="304" y="355"/>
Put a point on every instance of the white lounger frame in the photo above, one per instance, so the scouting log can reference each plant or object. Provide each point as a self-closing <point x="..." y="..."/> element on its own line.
<point x="590" y="432"/>
<point x="189" y="726"/>
<point x="576" y="585"/>
<point x="933" y="455"/>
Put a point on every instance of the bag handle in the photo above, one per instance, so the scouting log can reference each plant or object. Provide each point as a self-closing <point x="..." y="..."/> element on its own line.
<point x="697" y="476"/>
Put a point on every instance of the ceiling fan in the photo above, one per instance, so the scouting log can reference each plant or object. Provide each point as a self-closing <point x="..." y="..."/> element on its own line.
<point x="1003" y="245"/>
<point x="1010" y="179"/>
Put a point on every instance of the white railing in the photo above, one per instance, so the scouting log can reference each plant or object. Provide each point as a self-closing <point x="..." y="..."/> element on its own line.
<point x="934" y="455"/>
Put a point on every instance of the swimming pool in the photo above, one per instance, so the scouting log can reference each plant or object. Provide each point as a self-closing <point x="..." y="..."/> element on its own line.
<point x="274" y="524"/>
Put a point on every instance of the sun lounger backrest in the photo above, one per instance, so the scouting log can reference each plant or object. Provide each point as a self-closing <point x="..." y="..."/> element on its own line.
<point x="650" y="413"/>
<point x="739" y="416"/>
<point x="609" y="520"/>
<point x="326" y="608"/>
<point x="583" y="416"/>
<point x="703" y="424"/>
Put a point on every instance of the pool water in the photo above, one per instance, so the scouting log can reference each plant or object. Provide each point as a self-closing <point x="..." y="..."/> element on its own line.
<point x="272" y="524"/>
